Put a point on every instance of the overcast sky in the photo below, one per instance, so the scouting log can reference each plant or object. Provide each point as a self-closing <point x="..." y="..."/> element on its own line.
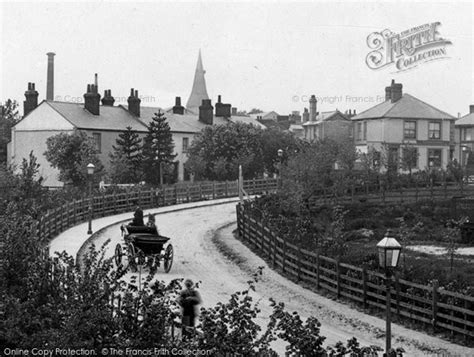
<point x="269" y="55"/>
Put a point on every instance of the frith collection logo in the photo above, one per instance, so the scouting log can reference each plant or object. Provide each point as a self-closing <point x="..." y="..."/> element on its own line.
<point x="407" y="49"/>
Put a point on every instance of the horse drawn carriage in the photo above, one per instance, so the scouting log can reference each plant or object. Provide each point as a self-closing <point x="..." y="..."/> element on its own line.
<point x="143" y="245"/>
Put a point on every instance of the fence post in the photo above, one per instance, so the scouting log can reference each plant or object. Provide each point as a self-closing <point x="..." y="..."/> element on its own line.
<point x="213" y="190"/>
<point x="318" y="266"/>
<point x="338" y="278"/>
<point x="262" y="234"/>
<point x="200" y="191"/>
<point x="274" y="249"/>
<point x="226" y="189"/>
<point x="298" y="277"/>
<point x="416" y="190"/>
<point x="188" y="197"/>
<point x="283" y="258"/>
<point x="364" y="287"/>
<point x="434" y="307"/>
<point x="176" y="194"/>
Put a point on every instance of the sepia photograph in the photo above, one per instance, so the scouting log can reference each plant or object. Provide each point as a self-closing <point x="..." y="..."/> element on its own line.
<point x="237" y="178"/>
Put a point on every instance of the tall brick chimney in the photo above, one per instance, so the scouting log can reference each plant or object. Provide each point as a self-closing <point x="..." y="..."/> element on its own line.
<point x="134" y="102"/>
<point x="312" y="108"/>
<point x="205" y="112"/>
<point x="50" y="78"/>
<point x="92" y="99"/>
<point x="178" y="108"/>
<point x="108" y="100"/>
<point x="31" y="101"/>
<point x="471" y="109"/>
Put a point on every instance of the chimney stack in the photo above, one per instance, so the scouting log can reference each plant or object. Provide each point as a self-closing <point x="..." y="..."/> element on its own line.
<point x="397" y="91"/>
<point x="312" y="108"/>
<point x="222" y="110"/>
<point x="108" y="100"/>
<point x="388" y="93"/>
<point x="205" y="112"/>
<point x="134" y="102"/>
<point x="31" y="101"/>
<point x="305" y="115"/>
<point x="92" y="99"/>
<point x="471" y="109"/>
<point x="178" y="108"/>
<point x="234" y="111"/>
<point x="50" y="78"/>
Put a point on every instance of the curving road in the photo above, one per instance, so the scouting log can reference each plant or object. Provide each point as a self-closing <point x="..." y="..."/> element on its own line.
<point x="206" y="251"/>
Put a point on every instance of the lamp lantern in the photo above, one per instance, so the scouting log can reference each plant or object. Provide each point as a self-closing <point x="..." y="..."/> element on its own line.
<point x="389" y="251"/>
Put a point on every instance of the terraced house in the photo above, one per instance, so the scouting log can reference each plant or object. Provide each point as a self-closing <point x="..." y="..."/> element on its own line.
<point x="404" y="122"/>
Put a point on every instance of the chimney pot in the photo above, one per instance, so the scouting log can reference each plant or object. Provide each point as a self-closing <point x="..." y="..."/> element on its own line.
<point x="471" y="109"/>
<point x="219" y="98"/>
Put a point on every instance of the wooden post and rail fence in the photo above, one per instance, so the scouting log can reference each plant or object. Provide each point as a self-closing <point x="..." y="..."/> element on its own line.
<point x="435" y="308"/>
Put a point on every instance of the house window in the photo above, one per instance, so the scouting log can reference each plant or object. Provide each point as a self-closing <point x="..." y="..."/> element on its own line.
<point x="359" y="131"/>
<point x="97" y="138"/>
<point x="185" y="144"/>
<point x="434" y="130"/>
<point x="409" y="130"/>
<point x="365" y="131"/>
<point x="434" y="157"/>
<point x="466" y="134"/>
<point x="410" y="157"/>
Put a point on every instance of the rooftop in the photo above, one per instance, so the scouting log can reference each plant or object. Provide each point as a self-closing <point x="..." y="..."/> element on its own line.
<point x="407" y="106"/>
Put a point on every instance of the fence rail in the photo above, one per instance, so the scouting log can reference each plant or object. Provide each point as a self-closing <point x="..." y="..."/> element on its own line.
<point x="433" y="307"/>
<point x="72" y="213"/>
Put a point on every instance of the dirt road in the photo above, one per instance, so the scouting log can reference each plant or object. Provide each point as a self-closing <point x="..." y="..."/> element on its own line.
<point x="206" y="251"/>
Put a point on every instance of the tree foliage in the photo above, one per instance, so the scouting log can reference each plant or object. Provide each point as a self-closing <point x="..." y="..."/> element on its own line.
<point x="8" y="117"/>
<point x="70" y="154"/>
<point x="158" y="148"/>
<point x="217" y="152"/>
<point x="126" y="159"/>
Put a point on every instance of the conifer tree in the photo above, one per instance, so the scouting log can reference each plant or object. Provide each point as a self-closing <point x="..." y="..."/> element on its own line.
<point x="126" y="158"/>
<point x="158" y="150"/>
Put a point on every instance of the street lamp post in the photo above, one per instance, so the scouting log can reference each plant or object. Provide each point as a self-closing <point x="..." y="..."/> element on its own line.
<point x="155" y="145"/>
<point x="280" y="159"/>
<point x="389" y="253"/>
<point x="90" y="173"/>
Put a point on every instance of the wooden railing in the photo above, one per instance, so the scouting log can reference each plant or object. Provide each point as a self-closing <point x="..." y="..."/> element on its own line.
<point x="77" y="211"/>
<point x="431" y="306"/>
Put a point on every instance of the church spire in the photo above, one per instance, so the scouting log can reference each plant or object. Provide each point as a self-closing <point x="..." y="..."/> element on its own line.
<point x="199" y="91"/>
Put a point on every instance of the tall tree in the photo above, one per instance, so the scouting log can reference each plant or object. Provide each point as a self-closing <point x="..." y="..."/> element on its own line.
<point x="70" y="154"/>
<point x="158" y="148"/>
<point x="126" y="158"/>
<point x="218" y="150"/>
<point x="8" y="117"/>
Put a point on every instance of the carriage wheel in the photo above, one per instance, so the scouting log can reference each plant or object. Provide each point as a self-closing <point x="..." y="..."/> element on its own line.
<point x="118" y="255"/>
<point x="168" y="258"/>
<point x="131" y="257"/>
